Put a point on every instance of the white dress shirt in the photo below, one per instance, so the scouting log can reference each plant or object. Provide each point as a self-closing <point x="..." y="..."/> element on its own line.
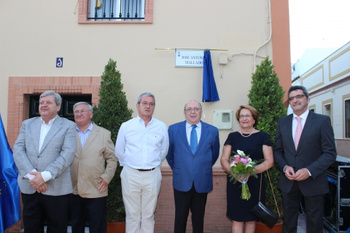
<point x="44" y="130"/>
<point x="303" y="120"/>
<point x="142" y="147"/>
<point x="189" y="129"/>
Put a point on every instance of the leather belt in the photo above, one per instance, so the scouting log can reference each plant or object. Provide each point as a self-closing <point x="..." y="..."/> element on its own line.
<point x="146" y="170"/>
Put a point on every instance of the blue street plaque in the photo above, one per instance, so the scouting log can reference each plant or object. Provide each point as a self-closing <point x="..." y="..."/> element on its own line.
<point x="59" y="62"/>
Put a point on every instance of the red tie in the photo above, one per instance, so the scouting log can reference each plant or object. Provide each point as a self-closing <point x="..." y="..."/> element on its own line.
<point x="298" y="131"/>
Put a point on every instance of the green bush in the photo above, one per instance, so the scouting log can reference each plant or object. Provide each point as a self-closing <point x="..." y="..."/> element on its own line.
<point x="112" y="110"/>
<point x="266" y="96"/>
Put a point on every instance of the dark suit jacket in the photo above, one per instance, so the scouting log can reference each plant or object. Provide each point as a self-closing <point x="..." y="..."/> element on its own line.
<point x="316" y="152"/>
<point x="188" y="168"/>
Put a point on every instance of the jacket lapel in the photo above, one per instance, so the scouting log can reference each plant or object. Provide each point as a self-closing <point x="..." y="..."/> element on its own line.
<point x="183" y="136"/>
<point x="307" y="128"/>
<point x="35" y="131"/>
<point x="56" y="126"/>
<point x="91" y="138"/>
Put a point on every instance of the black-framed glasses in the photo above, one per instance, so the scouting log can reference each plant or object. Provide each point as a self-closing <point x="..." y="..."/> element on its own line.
<point x="297" y="96"/>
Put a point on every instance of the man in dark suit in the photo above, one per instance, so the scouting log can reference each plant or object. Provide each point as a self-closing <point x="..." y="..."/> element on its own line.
<point x="43" y="153"/>
<point x="303" y="160"/>
<point x="191" y="158"/>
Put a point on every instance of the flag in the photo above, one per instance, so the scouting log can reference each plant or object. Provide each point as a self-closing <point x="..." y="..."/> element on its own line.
<point x="9" y="190"/>
<point x="210" y="93"/>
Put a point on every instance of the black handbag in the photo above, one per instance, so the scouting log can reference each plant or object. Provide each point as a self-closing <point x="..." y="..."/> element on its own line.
<point x="266" y="215"/>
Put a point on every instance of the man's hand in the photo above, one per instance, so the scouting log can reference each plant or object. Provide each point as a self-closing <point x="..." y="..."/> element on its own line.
<point x="301" y="174"/>
<point x="103" y="185"/>
<point x="37" y="181"/>
<point x="289" y="173"/>
<point x="42" y="188"/>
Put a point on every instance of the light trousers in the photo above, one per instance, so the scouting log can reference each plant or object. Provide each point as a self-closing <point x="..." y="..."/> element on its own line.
<point x="140" y="194"/>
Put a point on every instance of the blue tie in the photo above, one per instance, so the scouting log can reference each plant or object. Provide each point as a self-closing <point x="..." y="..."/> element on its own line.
<point x="193" y="141"/>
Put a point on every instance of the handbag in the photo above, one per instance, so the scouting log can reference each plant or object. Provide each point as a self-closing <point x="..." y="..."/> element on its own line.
<point x="266" y="215"/>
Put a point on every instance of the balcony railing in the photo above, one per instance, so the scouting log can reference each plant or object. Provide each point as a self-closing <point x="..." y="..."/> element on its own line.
<point x="118" y="10"/>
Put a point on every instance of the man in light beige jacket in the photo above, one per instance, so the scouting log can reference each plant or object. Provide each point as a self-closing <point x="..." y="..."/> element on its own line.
<point x="93" y="168"/>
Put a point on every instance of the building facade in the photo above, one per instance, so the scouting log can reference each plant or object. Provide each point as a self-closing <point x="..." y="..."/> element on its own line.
<point x="328" y="83"/>
<point x="64" y="46"/>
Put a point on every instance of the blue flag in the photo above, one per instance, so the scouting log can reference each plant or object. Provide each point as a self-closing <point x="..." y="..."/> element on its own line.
<point x="210" y="93"/>
<point x="9" y="190"/>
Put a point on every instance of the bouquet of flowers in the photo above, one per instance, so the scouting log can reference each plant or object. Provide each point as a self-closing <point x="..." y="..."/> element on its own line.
<point x="241" y="166"/>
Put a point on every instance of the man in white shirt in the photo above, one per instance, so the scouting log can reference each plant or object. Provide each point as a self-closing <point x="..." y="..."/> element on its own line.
<point x="141" y="146"/>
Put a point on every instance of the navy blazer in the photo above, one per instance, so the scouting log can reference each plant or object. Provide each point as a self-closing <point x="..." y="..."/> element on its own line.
<point x="188" y="168"/>
<point x="316" y="152"/>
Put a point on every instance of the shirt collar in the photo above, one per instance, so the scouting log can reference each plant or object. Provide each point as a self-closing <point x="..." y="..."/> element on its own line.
<point x="50" y="122"/>
<point x="188" y="125"/>
<point x="303" y="116"/>
<point x="88" y="128"/>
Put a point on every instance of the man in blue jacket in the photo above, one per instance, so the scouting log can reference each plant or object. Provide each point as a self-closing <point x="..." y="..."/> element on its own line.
<point x="193" y="150"/>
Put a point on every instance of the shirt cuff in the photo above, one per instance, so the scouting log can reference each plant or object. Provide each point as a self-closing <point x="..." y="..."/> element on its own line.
<point x="284" y="168"/>
<point x="30" y="176"/>
<point x="46" y="175"/>
<point x="308" y="172"/>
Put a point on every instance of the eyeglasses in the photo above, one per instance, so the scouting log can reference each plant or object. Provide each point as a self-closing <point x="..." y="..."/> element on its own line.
<point x="245" y="116"/>
<point x="148" y="103"/>
<point x="193" y="109"/>
<point x="81" y="111"/>
<point x="297" y="96"/>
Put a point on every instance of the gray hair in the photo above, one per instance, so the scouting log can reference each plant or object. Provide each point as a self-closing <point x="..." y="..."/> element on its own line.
<point x="146" y="94"/>
<point x="82" y="103"/>
<point x="200" y="105"/>
<point x="58" y="98"/>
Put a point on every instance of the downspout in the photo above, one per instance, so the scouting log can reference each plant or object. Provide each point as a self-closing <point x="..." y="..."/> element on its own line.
<point x="268" y="2"/>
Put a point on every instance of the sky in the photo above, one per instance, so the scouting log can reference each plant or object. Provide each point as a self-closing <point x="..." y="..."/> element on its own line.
<point x="318" y="24"/>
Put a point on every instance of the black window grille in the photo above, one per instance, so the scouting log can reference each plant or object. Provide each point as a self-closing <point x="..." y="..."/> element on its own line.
<point x="66" y="110"/>
<point x="122" y="10"/>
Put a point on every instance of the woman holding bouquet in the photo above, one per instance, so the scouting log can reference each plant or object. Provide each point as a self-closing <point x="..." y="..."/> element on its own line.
<point x="250" y="145"/>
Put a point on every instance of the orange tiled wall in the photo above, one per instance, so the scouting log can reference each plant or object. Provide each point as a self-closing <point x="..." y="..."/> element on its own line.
<point x="20" y="88"/>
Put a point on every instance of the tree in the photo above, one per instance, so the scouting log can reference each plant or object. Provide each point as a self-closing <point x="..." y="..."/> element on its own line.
<point x="266" y="96"/>
<point x="112" y="110"/>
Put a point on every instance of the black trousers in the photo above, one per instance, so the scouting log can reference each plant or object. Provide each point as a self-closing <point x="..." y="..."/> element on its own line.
<point x="185" y="201"/>
<point x="38" y="208"/>
<point x="314" y="208"/>
<point x="91" y="210"/>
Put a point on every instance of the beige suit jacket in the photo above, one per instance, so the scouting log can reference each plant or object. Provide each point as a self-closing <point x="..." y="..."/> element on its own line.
<point x="96" y="160"/>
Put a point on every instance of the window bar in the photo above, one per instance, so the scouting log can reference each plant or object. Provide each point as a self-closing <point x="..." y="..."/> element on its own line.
<point x="128" y="14"/>
<point x="120" y="9"/>
<point x="136" y="6"/>
<point x="112" y="8"/>
<point x="104" y="9"/>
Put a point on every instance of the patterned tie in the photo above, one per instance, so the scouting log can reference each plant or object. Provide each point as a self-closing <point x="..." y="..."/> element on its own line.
<point x="193" y="140"/>
<point x="297" y="133"/>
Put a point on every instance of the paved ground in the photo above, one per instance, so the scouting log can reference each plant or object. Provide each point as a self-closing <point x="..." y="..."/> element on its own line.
<point x="302" y="224"/>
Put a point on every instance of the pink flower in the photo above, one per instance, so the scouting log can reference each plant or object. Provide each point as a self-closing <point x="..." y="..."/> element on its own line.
<point x="244" y="161"/>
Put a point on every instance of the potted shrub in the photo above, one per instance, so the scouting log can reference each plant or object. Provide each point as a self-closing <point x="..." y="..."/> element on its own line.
<point x="266" y="96"/>
<point x="112" y="110"/>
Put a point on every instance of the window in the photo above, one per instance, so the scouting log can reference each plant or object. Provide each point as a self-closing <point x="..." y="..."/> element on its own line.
<point x="116" y="11"/>
<point x="347" y="118"/>
<point x="66" y="110"/>
<point x="312" y="108"/>
<point x="327" y="108"/>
